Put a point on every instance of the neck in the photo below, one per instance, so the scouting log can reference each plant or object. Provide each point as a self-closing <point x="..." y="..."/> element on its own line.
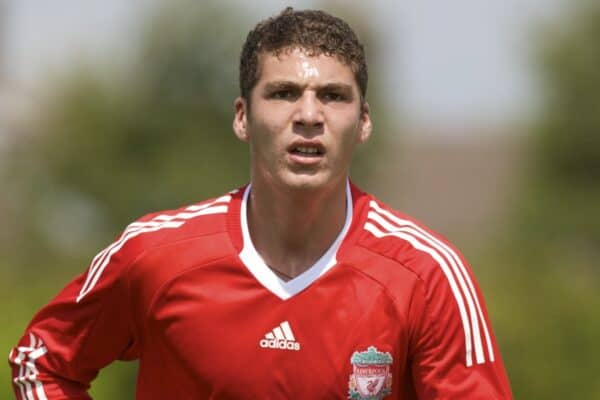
<point x="291" y="230"/>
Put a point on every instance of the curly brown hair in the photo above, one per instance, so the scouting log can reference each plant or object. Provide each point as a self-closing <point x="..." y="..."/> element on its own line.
<point x="316" y="32"/>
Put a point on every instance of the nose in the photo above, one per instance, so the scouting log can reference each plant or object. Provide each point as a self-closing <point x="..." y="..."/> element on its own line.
<point x="309" y="113"/>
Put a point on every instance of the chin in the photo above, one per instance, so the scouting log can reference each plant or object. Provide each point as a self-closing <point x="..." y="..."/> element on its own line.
<point x="307" y="181"/>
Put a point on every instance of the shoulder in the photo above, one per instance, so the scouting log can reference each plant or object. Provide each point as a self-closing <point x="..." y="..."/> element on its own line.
<point x="158" y="232"/>
<point x="405" y="240"/>
<point x="169" y="226"/>
<point x="163" y="227"/>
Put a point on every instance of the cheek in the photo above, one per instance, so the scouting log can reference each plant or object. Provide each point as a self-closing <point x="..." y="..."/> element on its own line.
<point x="263" y="138"/>
<point x="268" y="123"/>
<point x="348" y="133"/>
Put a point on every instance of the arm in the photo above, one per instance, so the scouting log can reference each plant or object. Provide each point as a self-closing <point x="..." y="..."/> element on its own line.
<point x="73" y="336"/>
<point x="454" y="354"/>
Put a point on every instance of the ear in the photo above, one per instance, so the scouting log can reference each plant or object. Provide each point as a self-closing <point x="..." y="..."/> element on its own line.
<point x="365" y="125"/>
<point x="240" y="119"/>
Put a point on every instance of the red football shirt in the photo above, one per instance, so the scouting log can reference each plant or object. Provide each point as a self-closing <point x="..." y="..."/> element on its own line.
<point x="390" y="311"/>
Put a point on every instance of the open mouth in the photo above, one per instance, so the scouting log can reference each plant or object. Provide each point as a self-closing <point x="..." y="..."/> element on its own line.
<point x="306" y="151"/>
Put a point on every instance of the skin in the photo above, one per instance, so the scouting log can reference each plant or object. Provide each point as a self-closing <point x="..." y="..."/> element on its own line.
<point x="297" y="205"/>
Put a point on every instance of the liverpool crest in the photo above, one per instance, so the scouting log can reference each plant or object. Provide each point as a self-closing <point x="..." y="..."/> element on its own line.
<point x="371" y="378"/>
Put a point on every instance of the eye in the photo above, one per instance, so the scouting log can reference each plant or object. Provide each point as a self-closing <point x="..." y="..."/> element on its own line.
<point x="333" y="96"/>
<point x="283" y="94"/>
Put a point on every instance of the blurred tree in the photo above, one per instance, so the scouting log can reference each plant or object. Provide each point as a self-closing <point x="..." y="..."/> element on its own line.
<point x="109" y="147"/>
<point x="549" y="273"/>
<point x="562" y="211"/>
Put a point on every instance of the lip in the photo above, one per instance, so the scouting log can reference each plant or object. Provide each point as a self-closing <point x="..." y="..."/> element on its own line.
<point x="306" y="158"/>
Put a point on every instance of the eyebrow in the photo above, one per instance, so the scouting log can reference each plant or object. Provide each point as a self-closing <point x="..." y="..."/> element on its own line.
<point x="277" y="85"/>
<point x="341" y="87"/>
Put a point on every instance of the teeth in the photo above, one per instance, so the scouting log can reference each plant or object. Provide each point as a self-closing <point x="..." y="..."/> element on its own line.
<point x="307" y="150"/>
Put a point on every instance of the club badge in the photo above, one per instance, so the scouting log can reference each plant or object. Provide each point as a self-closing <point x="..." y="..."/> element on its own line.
<point x="371" y="378"/>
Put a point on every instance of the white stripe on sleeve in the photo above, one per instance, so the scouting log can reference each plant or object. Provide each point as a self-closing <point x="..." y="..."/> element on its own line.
<point x="464" y="279"/>
<point x="102" y="259"/>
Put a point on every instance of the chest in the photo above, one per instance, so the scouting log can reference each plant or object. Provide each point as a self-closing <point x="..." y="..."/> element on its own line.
<point x="232" y="338"/>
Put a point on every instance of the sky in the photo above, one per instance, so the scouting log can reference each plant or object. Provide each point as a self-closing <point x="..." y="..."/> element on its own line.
<point x="464" y="60"/>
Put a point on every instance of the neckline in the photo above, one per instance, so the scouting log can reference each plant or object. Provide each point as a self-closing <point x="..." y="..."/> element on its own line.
<point x="267" y="278"/>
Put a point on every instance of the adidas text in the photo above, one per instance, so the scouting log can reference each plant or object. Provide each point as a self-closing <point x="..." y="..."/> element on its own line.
<point x="279" y="344"/>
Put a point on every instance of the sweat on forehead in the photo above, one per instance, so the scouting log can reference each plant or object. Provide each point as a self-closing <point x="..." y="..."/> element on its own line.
<point x="305" y="63"/>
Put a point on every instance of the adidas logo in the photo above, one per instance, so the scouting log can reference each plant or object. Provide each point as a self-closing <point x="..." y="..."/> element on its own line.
<point x="281" y="337"/>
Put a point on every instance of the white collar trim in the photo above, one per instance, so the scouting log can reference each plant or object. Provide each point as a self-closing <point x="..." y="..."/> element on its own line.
<point x="280" y="288"/>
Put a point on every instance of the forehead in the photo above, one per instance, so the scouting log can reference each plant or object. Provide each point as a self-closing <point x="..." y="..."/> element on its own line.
<point x="299" y="65"/>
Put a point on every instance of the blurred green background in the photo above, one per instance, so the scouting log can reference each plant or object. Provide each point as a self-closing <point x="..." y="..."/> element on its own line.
<point x="104" y="145"/>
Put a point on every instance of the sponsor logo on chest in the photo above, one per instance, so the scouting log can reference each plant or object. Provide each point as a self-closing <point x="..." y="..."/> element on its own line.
<point x="281" y="337"/>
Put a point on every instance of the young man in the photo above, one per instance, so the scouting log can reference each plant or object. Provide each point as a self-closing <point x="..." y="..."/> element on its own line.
<point x="296" y="286"/>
